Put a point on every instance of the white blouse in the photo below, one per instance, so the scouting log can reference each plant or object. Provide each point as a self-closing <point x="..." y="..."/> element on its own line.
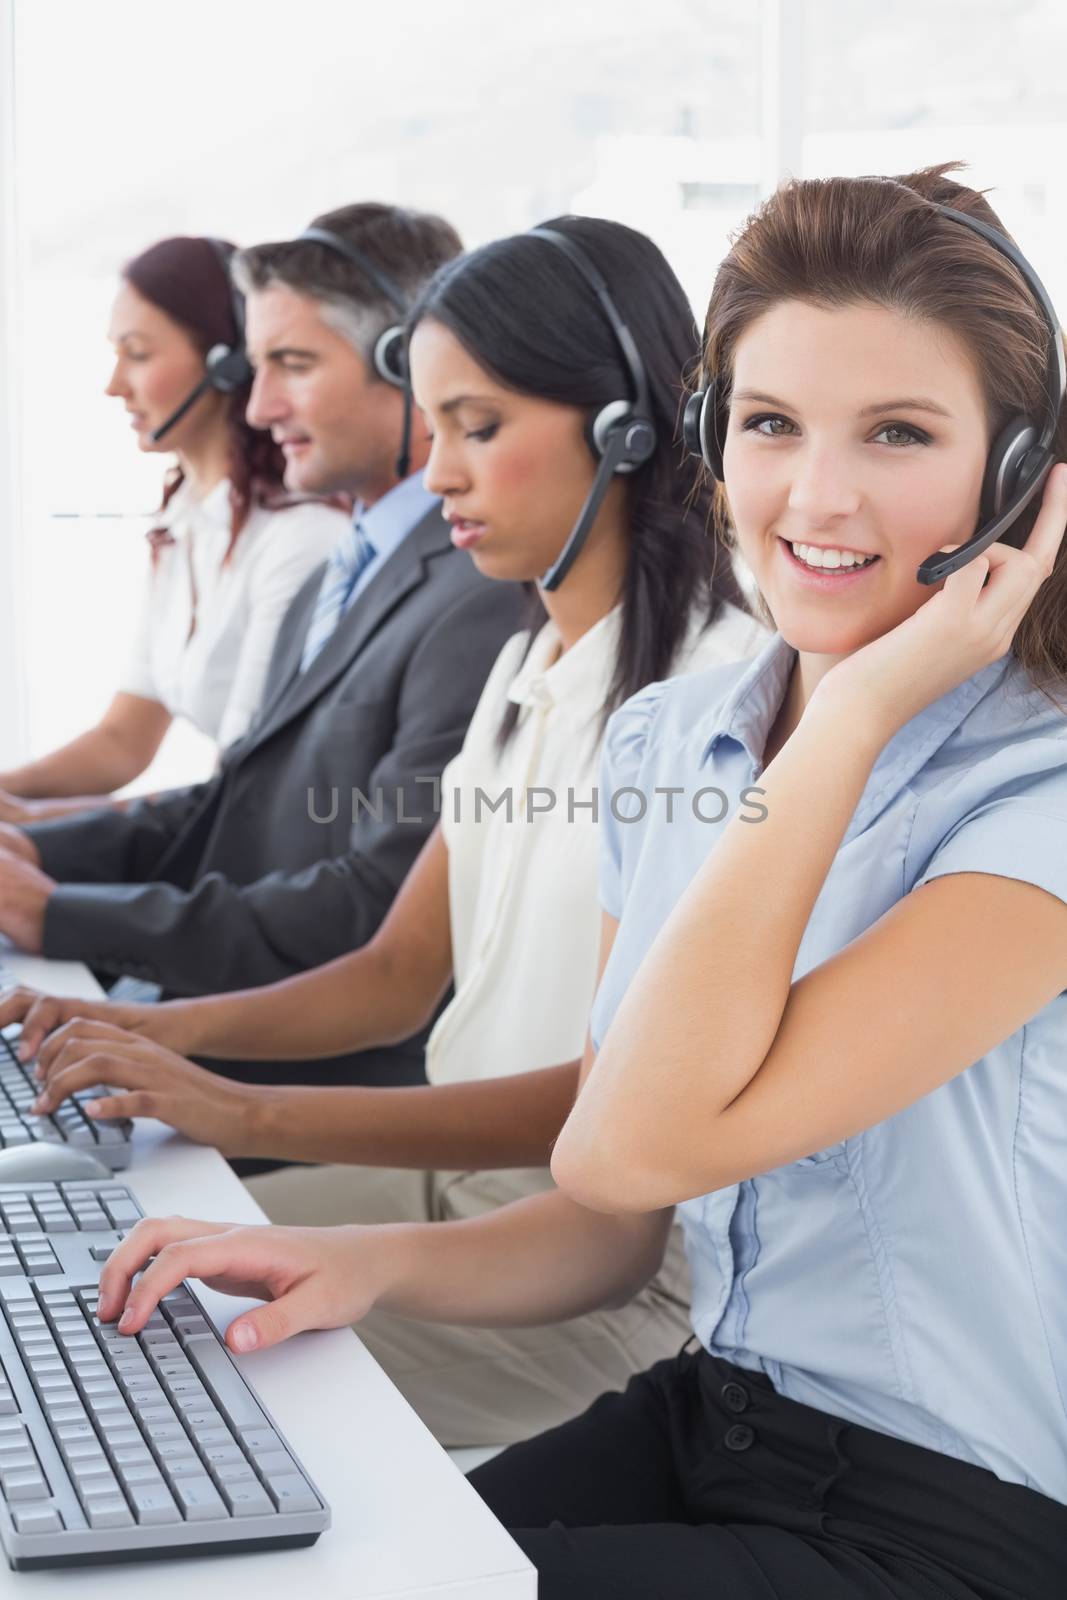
<point x="214" y="675"/>
<point x="523" y="893"/>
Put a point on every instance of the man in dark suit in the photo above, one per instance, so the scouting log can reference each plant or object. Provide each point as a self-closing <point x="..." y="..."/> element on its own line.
<point x="292" y="854"/>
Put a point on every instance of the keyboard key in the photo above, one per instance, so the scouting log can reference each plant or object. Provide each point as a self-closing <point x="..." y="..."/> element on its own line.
<point x="231" y="1392"/>
<point x="112" y="1133"/>
<point x="25" y="1485"/>
<point x="198" y="1499"/>
<point x="189" y="1466"/>
<point x="146" y="1475"/>
<point x="247" y="1499"/>
<point x="291" y="1493"/>
<point x="225" y="1472"/>
<point x="259" y="1439"/>
<point x="112" y="1512"/>
<point x="153" y="1507"/>
<point x="38" y="1519"/>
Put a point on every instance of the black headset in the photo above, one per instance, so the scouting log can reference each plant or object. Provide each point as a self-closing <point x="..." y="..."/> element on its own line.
<point x="1021" y="456"/>
<point x="621" y="435"/>
<point x="389" y="357"/>
<point x="226" y="367"/>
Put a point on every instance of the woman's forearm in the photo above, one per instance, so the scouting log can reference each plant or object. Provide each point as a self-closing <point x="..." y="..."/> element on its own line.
<point x="494" y="1122"/>
<point x="94" y="764"/>
<point x="379" y="994"/>
<point x="696" y="1023"/>
<point x="32" y="811"/>
<point x="360" y="1000"/>
<point x="534" y="1262"/>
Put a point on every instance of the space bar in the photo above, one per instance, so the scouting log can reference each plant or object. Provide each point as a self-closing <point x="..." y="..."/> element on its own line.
<point x="222" y="1377"/>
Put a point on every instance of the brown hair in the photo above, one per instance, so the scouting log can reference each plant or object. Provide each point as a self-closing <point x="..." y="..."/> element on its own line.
<point x="186" y="279"/>
<point x="840" y="241"/>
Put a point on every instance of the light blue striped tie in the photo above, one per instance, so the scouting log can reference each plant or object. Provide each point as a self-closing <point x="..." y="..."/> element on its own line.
<point x="347" y="560"/>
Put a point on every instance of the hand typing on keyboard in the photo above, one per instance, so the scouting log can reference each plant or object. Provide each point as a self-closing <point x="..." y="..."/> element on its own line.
<point x="40" y="1015"/>
<point x="148" y="1081"/>
<point x="311" y="1277"/>
<point x="114" y="1446"/>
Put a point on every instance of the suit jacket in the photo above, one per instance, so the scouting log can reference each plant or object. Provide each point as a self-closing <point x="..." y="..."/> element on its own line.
<point x="274" y="866"/>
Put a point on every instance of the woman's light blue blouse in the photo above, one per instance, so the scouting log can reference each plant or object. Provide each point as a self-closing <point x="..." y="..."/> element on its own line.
<point x="914" y="1278"/>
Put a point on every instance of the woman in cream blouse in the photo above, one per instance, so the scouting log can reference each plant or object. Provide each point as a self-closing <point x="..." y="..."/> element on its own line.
<point x="228" y="551"/>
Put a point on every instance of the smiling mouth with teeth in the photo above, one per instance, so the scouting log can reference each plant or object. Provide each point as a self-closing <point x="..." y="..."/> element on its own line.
<point x="823" y="560"/>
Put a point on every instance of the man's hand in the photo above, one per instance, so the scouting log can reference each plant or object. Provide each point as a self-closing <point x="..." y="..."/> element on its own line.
<point x="153" y="1082"/>
<point x="18" y="845"/>
<point x="24" y="895"/>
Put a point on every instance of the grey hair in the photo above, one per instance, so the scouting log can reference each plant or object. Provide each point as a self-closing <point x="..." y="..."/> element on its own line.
<point x="361" y="325"/>
<point x="406" y="246"/>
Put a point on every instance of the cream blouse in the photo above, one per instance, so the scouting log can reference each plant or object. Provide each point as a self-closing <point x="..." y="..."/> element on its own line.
<point x="214" y="674"/>
<point x="524" y="902"/>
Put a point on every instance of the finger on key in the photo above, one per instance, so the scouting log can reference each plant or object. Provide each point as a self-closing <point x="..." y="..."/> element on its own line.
<point x="70" y="1042"/>
<point x="113" y="1067"/>
<point x="16" y="1003"/>
<point x="134" y="1252"/>
<point x="39" y="1014"/>
<point x="179" y="1247"/>
<point x="204" y="1256"/>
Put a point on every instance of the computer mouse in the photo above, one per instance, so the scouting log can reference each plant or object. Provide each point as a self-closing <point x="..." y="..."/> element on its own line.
<point x="49" y="1163"/>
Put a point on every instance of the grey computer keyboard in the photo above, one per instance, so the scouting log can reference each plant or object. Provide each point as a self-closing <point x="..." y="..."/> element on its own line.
<point x="68" y="1124"/>
<point x="122" y="1448"/>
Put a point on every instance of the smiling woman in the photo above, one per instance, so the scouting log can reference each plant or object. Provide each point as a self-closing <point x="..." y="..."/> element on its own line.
<point x="902" y="474"/>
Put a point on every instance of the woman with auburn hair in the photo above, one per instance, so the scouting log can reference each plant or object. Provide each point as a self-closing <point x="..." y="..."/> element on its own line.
<point x="227" y="553"/>
<point x="835" y="1038"/>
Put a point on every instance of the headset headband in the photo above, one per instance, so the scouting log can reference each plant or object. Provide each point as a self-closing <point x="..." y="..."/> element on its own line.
<point x="621" y="433"/>
<point x="351" y="252"/>
<point x="623" y="337"/>
<point x="1055" y="365"/>
<point x="224" y="254"/>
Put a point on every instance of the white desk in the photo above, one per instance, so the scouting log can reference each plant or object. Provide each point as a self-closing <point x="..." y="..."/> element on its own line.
<point x="405" y="1522"/>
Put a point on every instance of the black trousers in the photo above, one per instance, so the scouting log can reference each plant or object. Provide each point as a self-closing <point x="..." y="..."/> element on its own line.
<point x="701" y="1483"/>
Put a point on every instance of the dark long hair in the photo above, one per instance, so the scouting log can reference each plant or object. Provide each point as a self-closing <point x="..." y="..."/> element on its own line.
<point x="185" y="279"/>
<point x="526" y="314"/>
<point x="845" y="241"/>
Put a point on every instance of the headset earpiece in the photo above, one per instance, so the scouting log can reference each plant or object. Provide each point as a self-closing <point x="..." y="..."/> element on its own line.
<point x="638" y="435"/>
<point x="227" y="370"/>
<point x="1010" y="462"/>
<point x="390" y="357"/>
<point x="704" y="427"/>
